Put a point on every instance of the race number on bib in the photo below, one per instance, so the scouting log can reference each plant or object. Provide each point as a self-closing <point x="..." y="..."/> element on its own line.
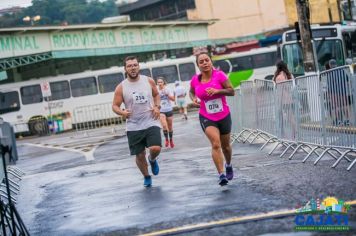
<point x="214" y="106"/>
<point x="139" y="97"/>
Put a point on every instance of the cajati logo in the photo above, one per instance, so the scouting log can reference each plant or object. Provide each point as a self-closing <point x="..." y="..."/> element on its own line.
<point x="329" y="214"/>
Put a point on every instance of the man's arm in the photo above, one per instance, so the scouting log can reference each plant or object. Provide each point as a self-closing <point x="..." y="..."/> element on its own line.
<point x="118" y="100"/>
<point x="156" y="99"/>
<point x="155" y="94"/>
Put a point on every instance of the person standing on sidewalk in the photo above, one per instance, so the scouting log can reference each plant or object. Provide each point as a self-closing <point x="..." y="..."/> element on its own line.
<point x="166" y="111"/>
<point x="211" y="87"/>
<point x="142" y="104"/>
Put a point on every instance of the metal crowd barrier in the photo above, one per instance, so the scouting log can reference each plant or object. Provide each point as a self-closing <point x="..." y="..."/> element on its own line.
<point x="236" y="116"/>
<point x="315" y="114"/>
<point x="95" y="116"/>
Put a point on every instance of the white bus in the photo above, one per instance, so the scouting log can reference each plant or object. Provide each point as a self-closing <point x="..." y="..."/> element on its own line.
<point x="329" y="42"/>
<point x="22" y="104"/>
<point x="257" y="63"/>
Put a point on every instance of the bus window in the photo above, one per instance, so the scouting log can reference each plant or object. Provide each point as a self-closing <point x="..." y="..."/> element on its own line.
<point x="264" y="60"/>
<point x="223" y="65"/>
<point x="329" y="49"/>
<point x="59" y="90"/>
<point x="293" y="57"/>
<point x="31" y="94"/>
<point x="186" y="71"/>
<point x="241" y="63"/>
<point x="146" y="72"/>
<point x="83" y="87"/>
<point x="108" y="83"/>
<point x="169" y="73"/>
<point x="9" y="101"/>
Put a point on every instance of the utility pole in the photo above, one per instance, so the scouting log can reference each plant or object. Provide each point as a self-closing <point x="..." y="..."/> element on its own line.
<point x="350" y="9"/>
<point x="305" y="35"/>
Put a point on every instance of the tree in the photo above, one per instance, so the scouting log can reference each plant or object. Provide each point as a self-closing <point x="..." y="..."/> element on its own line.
<point x="56" y="12"/>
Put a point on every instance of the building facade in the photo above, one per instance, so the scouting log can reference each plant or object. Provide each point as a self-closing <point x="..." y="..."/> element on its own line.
<point x="234" y="18"/>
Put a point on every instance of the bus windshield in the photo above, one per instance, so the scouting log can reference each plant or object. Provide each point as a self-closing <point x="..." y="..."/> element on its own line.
<point x="9" y="102"/>
<point x="325" y="50"/>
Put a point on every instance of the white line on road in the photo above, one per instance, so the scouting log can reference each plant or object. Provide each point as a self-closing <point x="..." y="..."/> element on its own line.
<point x="88" y="155"/>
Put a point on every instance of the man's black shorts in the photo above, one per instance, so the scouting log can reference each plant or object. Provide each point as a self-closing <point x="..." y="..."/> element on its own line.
<point x="140" y="139"/>
<point x="224" y="125"/>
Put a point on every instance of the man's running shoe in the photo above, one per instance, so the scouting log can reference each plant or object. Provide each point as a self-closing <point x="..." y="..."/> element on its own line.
<point x="147" y="182"/>
<point x="167" y="143"/>
<point x="154" y="167"/>
<point x="229" y="172"/>
<point x="223" y="180"/>
<point x="171" y="143"/>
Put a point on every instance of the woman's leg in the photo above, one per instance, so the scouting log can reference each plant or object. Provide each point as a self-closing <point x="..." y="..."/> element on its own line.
<point x="164" y="128"/>
<point x="213" y="135"/>
<point x="226" y="147"/>
<point x="170" y="130"/>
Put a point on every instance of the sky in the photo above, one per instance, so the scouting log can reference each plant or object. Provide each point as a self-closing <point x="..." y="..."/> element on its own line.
<point x="12" y="3"/>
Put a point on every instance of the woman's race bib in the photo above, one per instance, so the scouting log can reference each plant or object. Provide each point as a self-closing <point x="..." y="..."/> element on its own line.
<point x="214" y="106"/>
<point x="165" y="104"/>
<point x="139" y="97"/>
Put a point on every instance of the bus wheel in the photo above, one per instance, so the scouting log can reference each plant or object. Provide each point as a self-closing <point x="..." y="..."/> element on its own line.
<point x="38" y="126"/>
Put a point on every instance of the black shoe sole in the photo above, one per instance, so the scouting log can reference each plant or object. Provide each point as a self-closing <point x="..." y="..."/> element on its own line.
<point x="223" y="182"/>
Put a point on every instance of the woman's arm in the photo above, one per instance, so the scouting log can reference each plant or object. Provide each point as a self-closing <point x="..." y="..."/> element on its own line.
<point x="227" y="89"/>
<point x="193" y="97"/>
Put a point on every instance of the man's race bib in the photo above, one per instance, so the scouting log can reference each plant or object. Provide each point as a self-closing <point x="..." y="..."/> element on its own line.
<point x="214" y="106"/>
<point x="139" y="97"/>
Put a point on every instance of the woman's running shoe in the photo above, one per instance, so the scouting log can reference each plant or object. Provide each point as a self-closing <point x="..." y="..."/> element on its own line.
<point x="229" y="172"/>
<point x="223" y="180"/>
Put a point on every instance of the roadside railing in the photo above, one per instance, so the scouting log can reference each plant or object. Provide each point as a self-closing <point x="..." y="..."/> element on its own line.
<point x="314" y="114"/>
<point x="95" y="116"/>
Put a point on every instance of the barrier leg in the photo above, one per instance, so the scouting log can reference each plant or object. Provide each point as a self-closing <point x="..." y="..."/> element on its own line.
<point x="321" y="155"/>
<point x="294" y="152"/>
<point x="351" y="165"/>
<point x="340" y="158"/>
<point x="274" y="148"/>
<point x="311" y="152"/>
<point x="268" y="141"/>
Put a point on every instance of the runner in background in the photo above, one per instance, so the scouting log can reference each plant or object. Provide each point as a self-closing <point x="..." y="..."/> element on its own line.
<point x="180" y="93"/>
<point x="166" y="111"/>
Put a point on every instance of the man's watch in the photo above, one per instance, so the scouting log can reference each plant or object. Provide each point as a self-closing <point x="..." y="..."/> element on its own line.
<point x="158" y="106"/>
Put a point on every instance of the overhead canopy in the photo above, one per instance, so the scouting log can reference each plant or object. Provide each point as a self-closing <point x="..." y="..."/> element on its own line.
<point x="21" y="46"/>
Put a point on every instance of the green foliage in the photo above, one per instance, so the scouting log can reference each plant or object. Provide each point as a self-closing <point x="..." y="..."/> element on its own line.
<point x="58" y="12"/>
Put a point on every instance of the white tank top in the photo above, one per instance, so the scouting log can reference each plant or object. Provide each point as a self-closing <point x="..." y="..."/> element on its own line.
<point x="138" y="99"/>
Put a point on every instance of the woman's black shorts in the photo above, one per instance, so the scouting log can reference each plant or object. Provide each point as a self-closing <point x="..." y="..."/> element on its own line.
<point x="224" y="125"/>
<point x="168" y="113"/>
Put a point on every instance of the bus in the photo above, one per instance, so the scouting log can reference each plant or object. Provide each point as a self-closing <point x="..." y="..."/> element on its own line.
<point x="257" y="63"/>
<point x="329" y="42"/>
<point x="22" y="104"/>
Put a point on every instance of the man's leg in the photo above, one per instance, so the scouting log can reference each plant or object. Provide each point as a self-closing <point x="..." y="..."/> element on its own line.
<point x="153" y="141"/>
<point x="142" y="163"/>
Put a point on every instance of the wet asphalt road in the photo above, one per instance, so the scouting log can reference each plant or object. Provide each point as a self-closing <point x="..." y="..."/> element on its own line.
<point x="66" y="193"/>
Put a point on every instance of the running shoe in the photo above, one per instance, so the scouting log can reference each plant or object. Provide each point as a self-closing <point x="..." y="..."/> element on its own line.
<point x="154" y="167"/>
<point x="171" y="143"/>
<point x="147" y="182"/>
<point x="229" y="172"/>
<point x="167" y="143"/>
<point x="223" y="180"/>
